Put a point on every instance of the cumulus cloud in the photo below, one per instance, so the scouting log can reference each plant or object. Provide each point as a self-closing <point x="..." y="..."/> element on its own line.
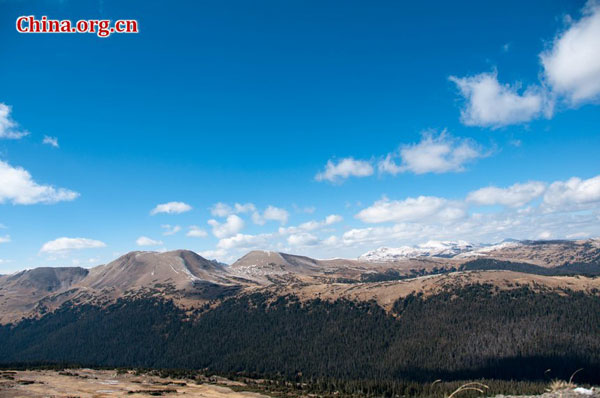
<point x="477" y="227"/>
<point x="18" y="187"/>
<point x="171" y="208"/>
<point x="412" y="209"/>
<point x="231" y="226"/>
<point x="568" y="209"/>
<point x="572" y="64"/>
<point x="210" y="254"/>
<point x="5" y="239"/>
<point x="242" y="241"/>
<point x="571" y="73"/>
<point x="9" y="129"/>
<point x="145" y="241"/>
<point x="388" y="165"/>
<point x="333" y="218"/>
<point x="196" y="232"/>
<point x="516" y="195"/>
<point x="271" y="213"/>
<point x="574" y="193"/>
<point x="527" y="210"/>
<point x="302" y="239"/>
<point x="491" y="104"/>
<point x="170" y="229"/>
<point x="67" y="244"/>
<point x="221" y="209"/>
<point x="433" y="154"/>
<point x="52" y="141"/>
<point x="312" y="225"/>
<point x="244" y="208"/>
<point x="345" y="168"/>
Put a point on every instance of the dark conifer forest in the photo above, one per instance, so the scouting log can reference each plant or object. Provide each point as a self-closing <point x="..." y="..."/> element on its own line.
<point x="463" y="333"/>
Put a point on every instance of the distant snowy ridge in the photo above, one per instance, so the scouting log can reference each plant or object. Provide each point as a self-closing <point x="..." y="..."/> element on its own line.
<point x="482" y="251"/>
<point x="433" y="248"/>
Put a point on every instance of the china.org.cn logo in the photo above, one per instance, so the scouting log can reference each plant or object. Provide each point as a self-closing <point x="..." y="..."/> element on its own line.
<point x="100" y="27"/>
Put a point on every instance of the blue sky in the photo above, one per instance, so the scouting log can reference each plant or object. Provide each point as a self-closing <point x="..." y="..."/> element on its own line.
<point x="337" y="127"/>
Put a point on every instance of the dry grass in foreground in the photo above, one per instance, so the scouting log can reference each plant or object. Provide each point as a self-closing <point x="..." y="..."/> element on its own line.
<point x="88" y="383"/>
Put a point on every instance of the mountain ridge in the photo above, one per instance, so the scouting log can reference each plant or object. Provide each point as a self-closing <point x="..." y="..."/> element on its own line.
<point x="191" y="280"/>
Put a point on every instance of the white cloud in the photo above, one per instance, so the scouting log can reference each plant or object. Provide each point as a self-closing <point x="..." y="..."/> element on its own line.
<point x="333" y="218"/>
<point x="196" y="232"/>
<point x="312" y="225"/>
<point x="271" y="213"/>
<point x="434" y="154"/>
<point x="302" y="239"/>
<point x="528" y="210"/>
<point x="478" y="227"/>
<point x="9" y="128"/>
<point x="572" y="64"/>
<point x="5" y="239"/>
<point x="331" y="241"/>
<point x="516" y="195"/>
<point x="491" y="104"/>
<point x="569" y="209"/>
<point x="145" y="241"/>
<point x="389" y="166"/>
<point x="347" y="167"/>
<point x="170" y="229"/>
<point x="17" y="186"/>
<point x="571" y="72"/>
<point x="171" y="208"/>
<point x="359" y="235"/>
<point x="242" y="241"/>
<point x="211" y="254"/>
<point x="231" y="226"/>
<point x="221" y="209"/>
<point x="574" y="193"/>
<point x="244" y="208"/>
<point x="66" y="244"/>
<point x="412" y="209"/>
<point x="52" y="141"/>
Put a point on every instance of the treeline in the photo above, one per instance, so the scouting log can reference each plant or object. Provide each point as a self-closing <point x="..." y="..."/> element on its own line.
<point x="395" y="275"/>
<point x="468" y="333"/>
<point x="486" y="264"/>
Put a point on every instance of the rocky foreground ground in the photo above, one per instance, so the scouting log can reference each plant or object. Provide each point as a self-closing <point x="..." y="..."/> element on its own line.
<point x="89" y="383"/>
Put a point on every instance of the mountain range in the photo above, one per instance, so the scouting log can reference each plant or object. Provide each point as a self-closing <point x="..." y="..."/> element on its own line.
<point x="191" y="280"/>
<point x="372" y="325"/>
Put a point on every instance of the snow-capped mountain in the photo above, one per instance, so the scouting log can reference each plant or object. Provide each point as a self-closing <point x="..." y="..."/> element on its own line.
<point x="433" y="248"/>
<point x="484" y="250"/>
